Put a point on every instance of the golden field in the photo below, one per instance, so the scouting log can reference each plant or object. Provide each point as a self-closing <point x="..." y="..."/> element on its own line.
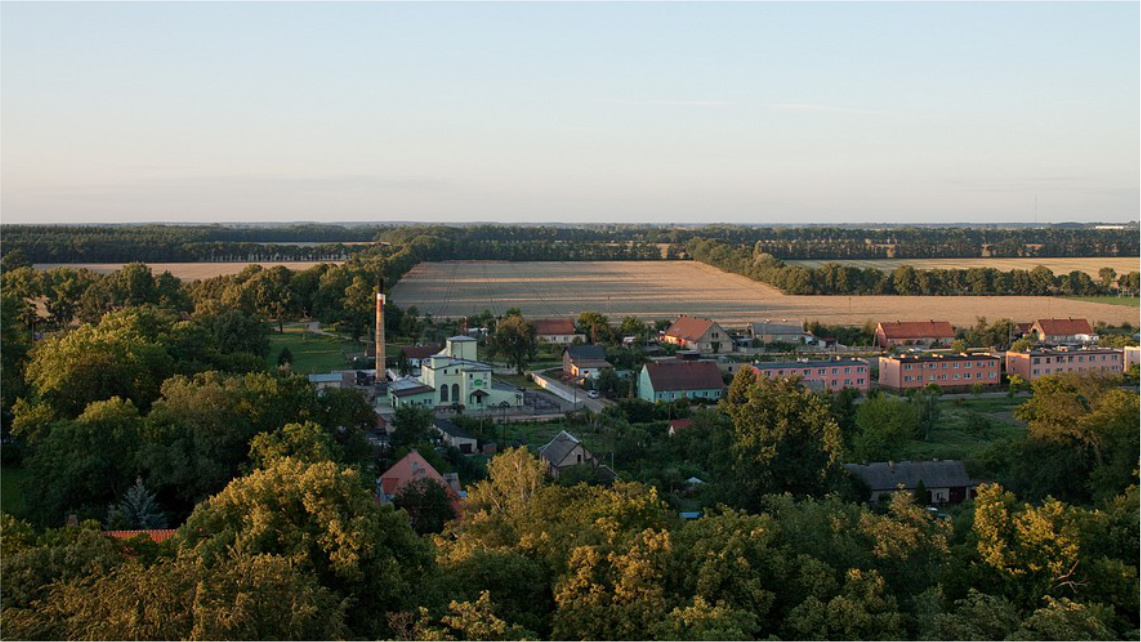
<point x="188" y="271"/>
<point x="1090" y="266"/>
<point x="665" y="289"/>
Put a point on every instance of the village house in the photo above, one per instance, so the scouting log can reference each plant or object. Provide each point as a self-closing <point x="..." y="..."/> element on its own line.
<point x="565" y="451"/>
<point x="946" y="482"/>
<point x="825" y="375"/>
<point x="767" y="332"/>
<point x="556" y="331"/>
<point x="332" y="380"/>
<point x="583" y="362"/>
<point x="671" y="380"/>
<point x="678" y="425"/>
<point x="890" y="334"/>
<point x="410" y="468"/>
<point x="455" y="436"/>
<point x="703" y="335"/>
<point x="1063" y="331"/>
<point x="947" y="370"/>
<point x="1041" y="362"/>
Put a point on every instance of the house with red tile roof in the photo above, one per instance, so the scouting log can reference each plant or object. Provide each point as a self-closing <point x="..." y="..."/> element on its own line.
<point x="677" y="425"/>
<point x="703" y="335"/>
<point x="670" y="380"/>
<point x="890" y="334"/>
<point x="556" y="331"/>
<point x="413" y="467"/>
<point x="1063" y="331"/>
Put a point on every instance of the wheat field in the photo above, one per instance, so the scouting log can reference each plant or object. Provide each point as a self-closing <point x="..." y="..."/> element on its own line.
<point x="665" y="289"/>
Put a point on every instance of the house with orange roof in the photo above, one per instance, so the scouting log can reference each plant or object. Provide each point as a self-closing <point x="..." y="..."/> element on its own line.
<point x="413" y="467"/>
<point x="703" y="335"/>
<point x="156" y="535"/>
<point x="890" y="334"/>
<point x="1063" y="331"/>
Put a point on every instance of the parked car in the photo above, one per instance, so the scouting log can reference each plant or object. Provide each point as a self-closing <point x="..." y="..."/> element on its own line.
<point x="593" y="394"/>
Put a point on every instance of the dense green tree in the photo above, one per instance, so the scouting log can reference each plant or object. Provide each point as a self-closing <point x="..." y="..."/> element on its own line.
<point x="428" y="504"/>
<point x="137" y="510"/>
<point x="784" y="438"/>
<point x="324" y="520"/>
<point x="514" y="338"/>
<point x="411" y="427"/>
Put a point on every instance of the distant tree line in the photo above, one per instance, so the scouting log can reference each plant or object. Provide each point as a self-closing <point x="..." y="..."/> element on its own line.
<point x="833" y="278"/>
<point x="158" y="243"/>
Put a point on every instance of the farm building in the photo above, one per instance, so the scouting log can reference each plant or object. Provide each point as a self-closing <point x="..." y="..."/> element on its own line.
<point x="825" y="375"/>
<point x="702" y="335"/>
<point x="767" y="332"/>
<point x="556" y="331"/>
<point x="455" y="436"/>
<point x="913" y="333"/>
<point x="584" y="361"/>
<point x="1063" y="331"/>
<point x="332" y="380"/>
<point x="411" y="392"/>
<point x="670" y="380"/>
<point x="947" y="370"/>
<point x="1041" y="362"/>
<point x="947" y="481"/>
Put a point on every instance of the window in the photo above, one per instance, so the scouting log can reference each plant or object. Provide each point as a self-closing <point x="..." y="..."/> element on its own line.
<point x="957" y="376"/>
<point x="1036" y="371"/>
<point x="907" y="366"/>
<point x="443" y="392"/>
<point x="860" y="370"/>
<point x="931" y="378"/>
<point x="835" y="371"/>
<point x="956" y="366"/>
<point x="859" y="382"/>
<point x="966" y="375"/>
<point x="847" y="382"/>
<point x="990" y="376"/>
<point x="822" y="372"/>
<point x="967" y="364"/>
<point x="1035" y="360"/>
<point x="943" y="376"/>
<point x="847" y="371"/>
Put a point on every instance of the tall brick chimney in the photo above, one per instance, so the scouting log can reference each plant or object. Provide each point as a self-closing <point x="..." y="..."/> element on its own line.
<point x="380" y="356"/>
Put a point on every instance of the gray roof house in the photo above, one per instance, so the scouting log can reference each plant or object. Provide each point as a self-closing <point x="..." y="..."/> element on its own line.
<point x="455" y="436"/>
<point x="946" y="481"/>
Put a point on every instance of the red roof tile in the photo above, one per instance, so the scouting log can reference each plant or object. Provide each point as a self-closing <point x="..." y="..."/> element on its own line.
<point x="678" y="424"/>
<point x="917" y="330"/>
<point x="411" y="467"/>
<point x="684" y="375"/>
<point x="1064" y="326"/>
<point x="553" y="326"/>
<point x="156" y="535"/>
<point x="689" y="328"/>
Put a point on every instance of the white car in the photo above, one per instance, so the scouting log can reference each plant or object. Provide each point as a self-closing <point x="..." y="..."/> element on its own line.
<point x="593" y="394"/>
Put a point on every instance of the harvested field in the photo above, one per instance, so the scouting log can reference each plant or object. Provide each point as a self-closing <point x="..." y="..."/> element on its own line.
<point x="1090" y="266"/>
<point x="188" y="271"/>
<point x="664" y="289"/>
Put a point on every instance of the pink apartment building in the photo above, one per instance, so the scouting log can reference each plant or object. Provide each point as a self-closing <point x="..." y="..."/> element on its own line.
<point x="827" y="375"/>
<point x="1039" y="363"/>
<point x="947" y="370"/>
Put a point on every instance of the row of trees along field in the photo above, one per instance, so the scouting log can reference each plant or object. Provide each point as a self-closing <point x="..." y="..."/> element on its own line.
<point x="167" y="243"/>
<point x="168" y="398"/>
<point x="833" y="278"/>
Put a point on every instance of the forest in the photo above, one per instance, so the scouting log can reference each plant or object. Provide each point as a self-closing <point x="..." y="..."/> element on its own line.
<point x="171" y="243"/>
<point x="164" y="389"/>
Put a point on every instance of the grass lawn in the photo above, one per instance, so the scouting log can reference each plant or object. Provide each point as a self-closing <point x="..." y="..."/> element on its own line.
<point x="519" y="381"/>
<point x="965" y="428"/>
<point x="11" y="494"/>
<point x="1132" y="302"/>
<point x="311" y="352"/>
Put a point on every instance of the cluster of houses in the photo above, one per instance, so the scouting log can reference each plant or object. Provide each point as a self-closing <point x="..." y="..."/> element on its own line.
<point x="1063" y="345"/>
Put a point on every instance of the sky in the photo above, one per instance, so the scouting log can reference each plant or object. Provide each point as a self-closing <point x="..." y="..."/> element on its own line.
<point x="572" y="113"/>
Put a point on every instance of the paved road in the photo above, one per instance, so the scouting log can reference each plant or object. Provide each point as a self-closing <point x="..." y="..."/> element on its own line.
<point x="595" y="405"/>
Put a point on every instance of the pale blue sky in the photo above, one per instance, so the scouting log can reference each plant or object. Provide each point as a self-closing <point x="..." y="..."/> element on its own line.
<point x="747" y="113"/>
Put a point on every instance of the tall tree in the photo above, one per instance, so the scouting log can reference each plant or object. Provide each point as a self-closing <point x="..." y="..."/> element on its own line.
<point x="515" y="338"/>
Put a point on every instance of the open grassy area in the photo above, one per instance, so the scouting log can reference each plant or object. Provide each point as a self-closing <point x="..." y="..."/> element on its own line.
<point x="1130" y="301"/>
<point x="311" y="352"/>
<point x="11" y="493"/>
<point x="967" y="426"/>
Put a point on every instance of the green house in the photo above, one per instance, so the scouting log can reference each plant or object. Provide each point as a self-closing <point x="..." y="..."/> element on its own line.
<point x="672" y="380"/>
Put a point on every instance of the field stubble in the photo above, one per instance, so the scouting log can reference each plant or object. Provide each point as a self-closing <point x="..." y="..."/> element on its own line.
<point x="665" y="289"/>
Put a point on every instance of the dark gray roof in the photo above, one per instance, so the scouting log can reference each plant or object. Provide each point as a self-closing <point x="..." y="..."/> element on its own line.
<point x="586" y="353"/>
<point x="884" y="475"/>
<point x="761" y="327"/>
<point x="556" y="450"/>
<point x="452" y="429"/>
